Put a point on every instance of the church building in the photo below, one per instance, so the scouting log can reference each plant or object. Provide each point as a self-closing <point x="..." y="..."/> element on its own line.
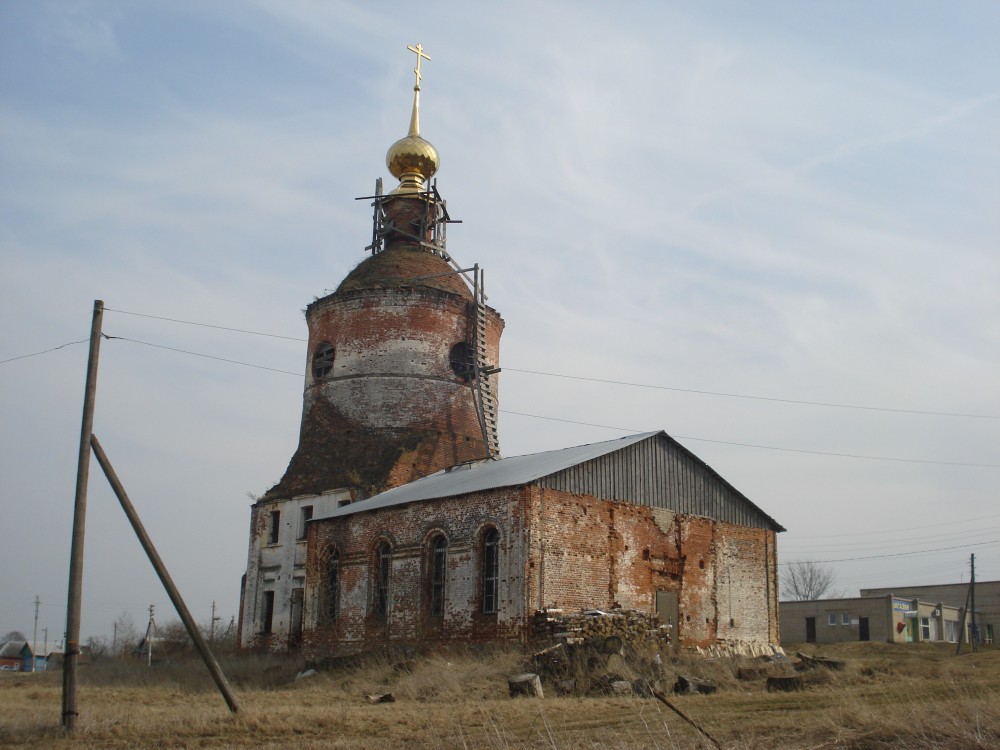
<point x="397" y="521"/>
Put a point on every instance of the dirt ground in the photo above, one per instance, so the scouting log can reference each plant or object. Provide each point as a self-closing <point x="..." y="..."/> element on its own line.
<point x="884" y="696"/>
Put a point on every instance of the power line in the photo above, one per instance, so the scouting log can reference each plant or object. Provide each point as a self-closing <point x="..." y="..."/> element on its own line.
<point x="895" y="554"/>
<point x="206" y="356"/>
<point x="765" y="447"/>
<point x="205" y="325"/>
<point x="844" y="455"/>
<point x="909" y="528"/>
<point x="722" y="394"/>
<point x="756" y="398"/>
<point x="885" y="544"/>
<point x="35" y="354"/>
<point x="608" y="427"/>
<point x="566" y="421"/>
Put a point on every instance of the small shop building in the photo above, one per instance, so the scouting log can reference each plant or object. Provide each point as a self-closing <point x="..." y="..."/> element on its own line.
<point x="889" y="618"/>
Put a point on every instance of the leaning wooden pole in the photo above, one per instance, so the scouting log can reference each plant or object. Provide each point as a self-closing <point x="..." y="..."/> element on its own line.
<point x="75" y="592"/>
<point x="165" y="579"/>
<point x="663" y="699"/>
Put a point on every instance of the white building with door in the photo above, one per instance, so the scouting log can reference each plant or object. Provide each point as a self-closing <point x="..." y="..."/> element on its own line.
<point x="889" y="618"/>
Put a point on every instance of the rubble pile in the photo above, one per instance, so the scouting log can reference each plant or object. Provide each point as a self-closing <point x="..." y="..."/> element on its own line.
<point x="607" y="631"/>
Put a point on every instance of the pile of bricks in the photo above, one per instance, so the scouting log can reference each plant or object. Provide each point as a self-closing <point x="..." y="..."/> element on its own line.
<point x="598" y="627"/>
<point x="740" y="648"/>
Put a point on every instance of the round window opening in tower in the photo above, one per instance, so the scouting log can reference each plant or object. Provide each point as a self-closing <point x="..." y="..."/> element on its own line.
<point x="322" y="362"/>
<point x="460" y="359"/>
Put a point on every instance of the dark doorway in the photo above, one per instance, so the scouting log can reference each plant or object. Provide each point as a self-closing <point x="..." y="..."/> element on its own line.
<point x="810" y="630"/>
<point x="268" y="612"/>
<point x="295" y="635"/>
<point x="667" y="612"/>
<point x="863" y="632"/>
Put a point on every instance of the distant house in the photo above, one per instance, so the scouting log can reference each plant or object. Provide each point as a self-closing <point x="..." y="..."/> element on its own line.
<point x="10" y="656"/>
<point x="889" y="618"/>
<point x="18" y="656"/>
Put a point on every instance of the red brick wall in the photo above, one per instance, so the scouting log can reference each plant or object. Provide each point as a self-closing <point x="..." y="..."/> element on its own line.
<point x="559" y="550"/>
<point x="392" y="409"/>
<point x="587" y="552"/>
<point x="409" y="529"/>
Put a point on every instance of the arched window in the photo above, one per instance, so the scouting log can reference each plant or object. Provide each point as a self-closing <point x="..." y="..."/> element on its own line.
<point x="460" y="359"/>
<point x="331" y="593"/>
<point x="437" y="570"/>
<point x="322" y="362"/>
<point x="489" y="573"/>
<point x="383" y="567"/>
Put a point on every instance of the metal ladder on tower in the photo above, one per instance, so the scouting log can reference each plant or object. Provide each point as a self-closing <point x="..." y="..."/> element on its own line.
<point x="483" y="372"/>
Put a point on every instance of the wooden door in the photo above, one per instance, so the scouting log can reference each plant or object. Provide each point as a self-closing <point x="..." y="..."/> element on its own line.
<point x="668" y="613"/>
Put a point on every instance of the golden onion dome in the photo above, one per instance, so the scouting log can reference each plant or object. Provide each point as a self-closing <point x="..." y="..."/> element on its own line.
<point x="413" y="160"/>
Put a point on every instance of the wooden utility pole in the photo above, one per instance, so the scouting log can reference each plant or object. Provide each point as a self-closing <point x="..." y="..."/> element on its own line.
<point x="34" y="636"/>
<point x="75" y="593"/>
<point x="89" y="442"/>
<point x="211" y="628"/>
<point x="150" y="632"/>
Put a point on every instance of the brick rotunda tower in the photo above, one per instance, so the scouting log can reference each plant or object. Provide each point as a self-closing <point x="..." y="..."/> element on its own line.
<point x="402" y="357"/>
<point x="400" y="382"/>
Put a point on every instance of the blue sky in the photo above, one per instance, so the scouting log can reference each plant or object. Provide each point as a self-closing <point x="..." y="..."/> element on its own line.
<point x="789" y="200"/>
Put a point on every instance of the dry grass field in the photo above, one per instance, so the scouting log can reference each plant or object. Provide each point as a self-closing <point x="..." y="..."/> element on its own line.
<point x="919" y="696"/>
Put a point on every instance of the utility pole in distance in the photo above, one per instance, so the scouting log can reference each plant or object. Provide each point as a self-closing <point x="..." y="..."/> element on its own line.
<point x="150" y="632"/>
<point x="34" y="636"/>
<point x="972" y="596"/>
<point x="211" y="629"/>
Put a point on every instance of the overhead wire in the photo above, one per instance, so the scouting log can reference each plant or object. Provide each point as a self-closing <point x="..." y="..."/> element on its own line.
<point x="592" y="424"/>
<point x="887" y="542"/>
<point x="206" y="356"/>
<point x="623" y="429"/>
<point x="909" y="528"/>
<point x="609" y="427"/>
<point x="722" y="394"/>
<point x="766" y="447"/>
<point x="46" y="351"/>
<point x="888" y="545"/>
<point x="606" y="381"/>
<point x="574" y="377"/>
<point x="204" y="325"/>
<point x="798" y="402"/>
<point x="895" y="554"/>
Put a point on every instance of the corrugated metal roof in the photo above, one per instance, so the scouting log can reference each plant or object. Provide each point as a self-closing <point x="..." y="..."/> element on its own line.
<point x="13" y="649"/>
<point x="488" y="475"/>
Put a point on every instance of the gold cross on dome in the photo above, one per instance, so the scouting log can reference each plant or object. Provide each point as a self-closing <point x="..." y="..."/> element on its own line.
<point x="419" y="51"/>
